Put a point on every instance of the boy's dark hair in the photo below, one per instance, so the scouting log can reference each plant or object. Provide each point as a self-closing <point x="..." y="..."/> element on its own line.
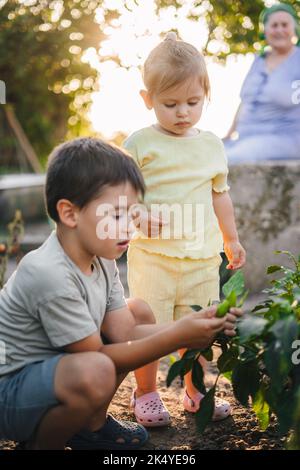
<point x="79" y="170"/>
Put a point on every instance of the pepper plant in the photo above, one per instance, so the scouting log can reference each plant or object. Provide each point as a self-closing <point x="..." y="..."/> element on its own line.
<point x="263" y="360"/>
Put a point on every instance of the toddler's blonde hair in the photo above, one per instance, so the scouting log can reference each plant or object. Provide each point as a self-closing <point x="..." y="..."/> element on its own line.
<point x="171" y="63"/>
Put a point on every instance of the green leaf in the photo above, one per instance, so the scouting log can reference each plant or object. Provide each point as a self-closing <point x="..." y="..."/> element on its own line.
<point x="276" y="364"/>
<point x="228" y="360"/>
<point x="232" y="299"/>
<point x="263" y="306"/>
<point x="278" y="353"/>
<point x="288" y="253"/>
<point x="228" y="375"/>
<point x="261" y="409"/>
<point x="250" y="326"/>
<point x="286" y="331"/>
<point x="197" y="377"/>
<point x="205" y="413"/>
<point x="187" y="365"/>
<point x="236" y="283"/>
<point x="208" y="354"/>
<point x="242" y="299"/>
<point x="294" y="442"/>
<point x="196" y="308"/>
<point x="191" y="354"/>
<point x="222" y="341"/>
<point x="248" y="354"/>
<point x="172" y="359"/>
<point x="188" y="359"/>
<point x="296" y="293"/>
<point x="176" y="369"/>
<point x="245" y="381"/>
<point x="285" y="407"/>
<point x="273" y="269"/>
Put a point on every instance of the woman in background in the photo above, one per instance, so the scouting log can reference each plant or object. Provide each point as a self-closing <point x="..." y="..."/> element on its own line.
<point x="268" y="119"/>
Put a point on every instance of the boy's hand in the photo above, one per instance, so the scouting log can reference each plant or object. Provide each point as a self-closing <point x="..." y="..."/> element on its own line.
<point x="198" y="329"/>
<point x="231" y="318"/>
<point x="235" y="253"/>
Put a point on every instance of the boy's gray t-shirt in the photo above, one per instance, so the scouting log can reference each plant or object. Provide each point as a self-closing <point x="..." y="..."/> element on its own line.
<point x="49" y="303"/>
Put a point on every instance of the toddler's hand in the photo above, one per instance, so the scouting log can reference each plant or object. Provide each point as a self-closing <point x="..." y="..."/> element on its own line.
<point x="149" y="225"/>
<point x="236" y="255"/>
<point x="155" y="225"/>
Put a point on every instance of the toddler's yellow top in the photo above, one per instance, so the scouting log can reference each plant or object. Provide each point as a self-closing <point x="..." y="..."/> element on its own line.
<point x="180" y="174"/>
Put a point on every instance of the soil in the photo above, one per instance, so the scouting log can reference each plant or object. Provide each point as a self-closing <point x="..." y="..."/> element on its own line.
<point x="238" y="432"/>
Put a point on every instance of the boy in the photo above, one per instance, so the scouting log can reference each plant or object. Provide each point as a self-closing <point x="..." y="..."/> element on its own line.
<point x="58" y="377"/>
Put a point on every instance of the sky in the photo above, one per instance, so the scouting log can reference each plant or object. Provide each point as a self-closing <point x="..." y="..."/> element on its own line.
<point x="118" y="107"/>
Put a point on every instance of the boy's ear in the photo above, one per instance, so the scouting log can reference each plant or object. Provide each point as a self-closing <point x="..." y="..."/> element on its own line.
<point x="147" y="98"/>
<point x="67" y="212"/>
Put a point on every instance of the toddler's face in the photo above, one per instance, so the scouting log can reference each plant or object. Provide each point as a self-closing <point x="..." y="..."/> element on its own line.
<point x="179" y="108"/>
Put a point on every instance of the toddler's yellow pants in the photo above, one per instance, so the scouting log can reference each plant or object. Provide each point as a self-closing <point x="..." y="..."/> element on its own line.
<point x="171" y="285"/>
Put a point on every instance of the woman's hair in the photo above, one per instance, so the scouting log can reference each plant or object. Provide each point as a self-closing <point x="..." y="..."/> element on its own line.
<point x="81" y="169"/>
<point x="172" y="62"/>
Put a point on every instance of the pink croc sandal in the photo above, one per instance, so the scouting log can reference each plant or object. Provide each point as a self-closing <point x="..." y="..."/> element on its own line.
<point x="150" y="410"/>
<point x="222" y="407"/>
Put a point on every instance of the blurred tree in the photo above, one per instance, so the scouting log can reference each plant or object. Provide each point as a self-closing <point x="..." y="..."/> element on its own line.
<point x="232" y="24"/>
<point x="41" y="46"/>
<point x="42" y="43"/>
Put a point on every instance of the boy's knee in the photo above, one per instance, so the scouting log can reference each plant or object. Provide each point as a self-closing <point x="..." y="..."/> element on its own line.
<point x="141" y="311"/>
<point x="98" y="378"/>
<point x="92" y="380"/>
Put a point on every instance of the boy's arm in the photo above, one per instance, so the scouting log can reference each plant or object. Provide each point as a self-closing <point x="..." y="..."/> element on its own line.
<point x="120" y="325"/>
<point x="196" y="330"/>
<point x="225" y="214"/>
<point x="129" y="355"/>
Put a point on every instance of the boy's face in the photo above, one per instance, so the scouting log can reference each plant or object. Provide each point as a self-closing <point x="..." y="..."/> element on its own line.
<point x="179" y="108"/>
<point x="104" y="226"/>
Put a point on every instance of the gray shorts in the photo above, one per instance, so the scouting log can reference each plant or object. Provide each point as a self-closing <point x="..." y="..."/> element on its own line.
<point x="25" y="396"/>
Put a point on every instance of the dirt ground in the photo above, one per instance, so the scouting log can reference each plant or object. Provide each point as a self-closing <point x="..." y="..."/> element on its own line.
<point x="238" y="432"/>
